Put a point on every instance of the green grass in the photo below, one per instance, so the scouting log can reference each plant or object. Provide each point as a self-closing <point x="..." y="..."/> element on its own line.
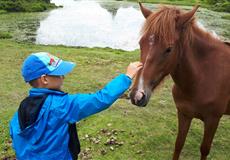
<point x="173" y="2"/>
<point x="220" y="7"/>
<point x="2" y="11"/>
<point x="226" y="17"/>
<point x="140" y="133"/>
<point x="5" y="35"/>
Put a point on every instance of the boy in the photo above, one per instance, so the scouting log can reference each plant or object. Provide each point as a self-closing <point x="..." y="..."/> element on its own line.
<point x="44" y="127"/>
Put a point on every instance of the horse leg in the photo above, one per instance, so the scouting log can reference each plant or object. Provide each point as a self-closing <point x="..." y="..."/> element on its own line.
<point x="184" y="123"/>
<point x="210" y="126"/>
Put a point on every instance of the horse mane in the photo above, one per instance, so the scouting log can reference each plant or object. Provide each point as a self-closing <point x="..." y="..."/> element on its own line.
<point x="162" y="24"/>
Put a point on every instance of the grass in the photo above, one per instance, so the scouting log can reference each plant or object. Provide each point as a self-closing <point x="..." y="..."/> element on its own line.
<point x="5" y="35"/>
<point x="123" y="132"/>
<point x="175" y="2"/>
<point x="226" y="17"/>
<point x="2" y="11"/>
<point x="220" y="7"/>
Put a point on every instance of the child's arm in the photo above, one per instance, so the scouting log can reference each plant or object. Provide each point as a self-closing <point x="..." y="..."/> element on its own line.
<point x="84" y="105"/>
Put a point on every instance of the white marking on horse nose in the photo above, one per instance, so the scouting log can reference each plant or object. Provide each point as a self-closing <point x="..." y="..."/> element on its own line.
<point x="141" y="83"/>
<point x="140" y="90"/>
<point x="139" y="95"/>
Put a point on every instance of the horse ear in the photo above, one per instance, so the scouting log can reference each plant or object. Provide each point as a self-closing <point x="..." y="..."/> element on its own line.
<point x="186" y="17"/>
<point x="146" y="12"/>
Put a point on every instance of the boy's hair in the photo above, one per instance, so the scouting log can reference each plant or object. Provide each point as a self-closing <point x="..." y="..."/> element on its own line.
<point x="34" y="83"/>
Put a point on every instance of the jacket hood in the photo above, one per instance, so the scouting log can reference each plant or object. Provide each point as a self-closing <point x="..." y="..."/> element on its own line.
<point x="31" y="109"/>
<point x="40" y="91"/>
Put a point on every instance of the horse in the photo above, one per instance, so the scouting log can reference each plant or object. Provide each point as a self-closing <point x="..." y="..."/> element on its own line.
<point x="171" y="43"/>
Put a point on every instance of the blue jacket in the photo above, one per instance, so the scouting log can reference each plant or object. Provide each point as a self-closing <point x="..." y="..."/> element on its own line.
<point x="47" y="138"/>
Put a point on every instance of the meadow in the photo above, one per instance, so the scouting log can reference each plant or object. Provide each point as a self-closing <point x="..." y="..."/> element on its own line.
<point x="124" y="131"/>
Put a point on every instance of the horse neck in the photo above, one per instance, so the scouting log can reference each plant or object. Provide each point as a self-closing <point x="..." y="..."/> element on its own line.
<point x="190" y="53"/>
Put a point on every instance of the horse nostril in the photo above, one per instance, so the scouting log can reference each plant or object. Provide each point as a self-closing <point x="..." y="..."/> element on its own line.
<point x="140" y="98"/>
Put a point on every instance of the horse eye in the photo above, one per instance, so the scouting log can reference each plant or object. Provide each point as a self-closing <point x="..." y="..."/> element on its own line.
<point x="168" y="50"/>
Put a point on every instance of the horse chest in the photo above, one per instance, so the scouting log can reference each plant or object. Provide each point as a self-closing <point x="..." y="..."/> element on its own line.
<point x="194" y="106"/>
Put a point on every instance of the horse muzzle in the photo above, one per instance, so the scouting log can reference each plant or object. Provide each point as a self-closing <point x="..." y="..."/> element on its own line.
<point x="139" y="98"/>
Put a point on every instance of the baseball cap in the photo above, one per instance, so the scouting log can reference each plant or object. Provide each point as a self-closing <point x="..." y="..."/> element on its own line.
<point x="38" y="64"/>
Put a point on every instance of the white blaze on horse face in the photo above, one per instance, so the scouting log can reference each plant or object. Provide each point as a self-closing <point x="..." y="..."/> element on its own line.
<point x="140" y="91"/>
<point x="141" y="83"/>
<point x="151" y="40"/>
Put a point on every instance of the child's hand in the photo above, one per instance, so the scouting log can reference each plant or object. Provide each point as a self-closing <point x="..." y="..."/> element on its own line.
<point x="133" y="68"/>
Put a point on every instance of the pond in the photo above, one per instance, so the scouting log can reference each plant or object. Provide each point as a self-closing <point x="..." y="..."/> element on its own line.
<point x="113" y="24"/>
<point x="90" y="24"/>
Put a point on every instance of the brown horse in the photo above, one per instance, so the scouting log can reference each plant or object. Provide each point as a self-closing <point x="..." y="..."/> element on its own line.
<point x="199" y="64"/>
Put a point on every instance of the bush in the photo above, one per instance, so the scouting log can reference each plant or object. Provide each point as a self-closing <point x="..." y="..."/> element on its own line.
<point x="39" y="7"/>
<point x="5" y="35"/>
<point x="25" y="5"/>
<point x="215" y="1"/>
<point x="2" y="11"/>
<point x="11" y="6"/>
<point x="226" y="17"/>
<point x="34" y="7"/>
<point x="222" y="7"/>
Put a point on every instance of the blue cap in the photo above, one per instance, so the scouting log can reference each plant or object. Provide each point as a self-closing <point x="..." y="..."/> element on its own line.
<point x="43" y="63"/>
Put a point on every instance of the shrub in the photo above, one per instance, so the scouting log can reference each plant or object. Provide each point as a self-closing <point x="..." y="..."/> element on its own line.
<point x="2" y="11"/>
<point x="215" y="1"/>
<point x="35" y="7"/>
<point x="223" y="7"/>
<point x="11" y="6"/>
<point x="25" y="5"/>
<point x="5" y="35"/>
<point x="226" y="17"/>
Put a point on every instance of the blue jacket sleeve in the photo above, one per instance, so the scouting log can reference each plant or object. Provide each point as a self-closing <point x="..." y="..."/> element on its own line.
<point x="84" y="105"/>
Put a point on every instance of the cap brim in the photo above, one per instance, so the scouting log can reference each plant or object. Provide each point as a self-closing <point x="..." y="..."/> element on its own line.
<point x="63" y="69"/>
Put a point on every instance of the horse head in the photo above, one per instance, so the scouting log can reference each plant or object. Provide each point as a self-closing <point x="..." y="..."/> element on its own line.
<point x="160" y="49"/>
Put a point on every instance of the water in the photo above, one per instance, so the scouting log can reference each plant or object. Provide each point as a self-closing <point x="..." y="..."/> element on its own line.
<point x="88" y="24"/>
<point x="114" y="24"/>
